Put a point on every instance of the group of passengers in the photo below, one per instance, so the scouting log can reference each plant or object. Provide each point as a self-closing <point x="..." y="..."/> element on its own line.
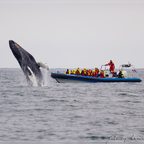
<point x="94" y="73"/>
<point x="85" y="72"/>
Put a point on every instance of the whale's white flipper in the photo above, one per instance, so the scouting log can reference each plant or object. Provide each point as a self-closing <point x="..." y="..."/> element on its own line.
<point x="32" y="77"/>
<point x="41" y="64"/>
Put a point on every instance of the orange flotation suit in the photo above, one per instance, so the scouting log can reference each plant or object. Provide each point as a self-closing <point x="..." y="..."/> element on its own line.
<point x="89" y="72"/>
<point x="82" y="73"/>
<point x="102" y="75"/>
<point x="78" y="72"/>
<point x="112" y="67"/>
<point x="73" y="72"/>
<point x="96" y="72"/>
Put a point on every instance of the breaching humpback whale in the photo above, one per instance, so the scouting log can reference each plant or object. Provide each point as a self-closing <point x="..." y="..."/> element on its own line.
<point x="28" y="64"/>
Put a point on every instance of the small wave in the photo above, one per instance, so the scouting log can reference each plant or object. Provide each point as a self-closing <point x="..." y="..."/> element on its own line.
<point x="128" y="94"/>
<point x="98" y="138"/>
<point x="123" y="94"/>
<point x="136" y="101"/>
<point x="56" y="100"/>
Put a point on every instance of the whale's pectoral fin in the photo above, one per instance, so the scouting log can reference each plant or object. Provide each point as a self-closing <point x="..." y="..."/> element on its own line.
<point x="32" y="77"/>
<point x="45" y="66"/>
<point x="28" y="71"/>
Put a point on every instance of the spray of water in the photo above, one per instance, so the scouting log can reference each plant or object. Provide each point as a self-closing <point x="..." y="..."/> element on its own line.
<point x="23" y="81"/>
<point x="45" y="77"/>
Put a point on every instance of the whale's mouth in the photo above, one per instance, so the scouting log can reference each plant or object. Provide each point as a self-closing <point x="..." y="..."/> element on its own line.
<point x="11" y="43"/>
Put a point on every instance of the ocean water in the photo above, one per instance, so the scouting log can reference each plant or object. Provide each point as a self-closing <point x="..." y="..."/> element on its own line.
<point x="65" y="112"/>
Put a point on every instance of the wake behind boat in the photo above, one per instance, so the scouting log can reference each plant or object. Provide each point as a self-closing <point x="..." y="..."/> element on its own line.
<point x="74" y="78"/>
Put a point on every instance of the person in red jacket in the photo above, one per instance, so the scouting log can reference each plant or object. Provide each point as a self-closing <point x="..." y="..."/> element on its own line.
<point x="73" y="72"/>
<point x="85" y="71"/>
<point x="89" y="72"/>
<point x="82" y="73"/>
<point x="112" y="66"/>
<point x="96" y="71"/>
<point x="67" y="72"/>
<point x="78" y="72"/>
<point x="102" y="75"/>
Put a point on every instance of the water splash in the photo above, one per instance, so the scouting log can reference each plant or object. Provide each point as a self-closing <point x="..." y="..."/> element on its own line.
<point x="45" y="77"/>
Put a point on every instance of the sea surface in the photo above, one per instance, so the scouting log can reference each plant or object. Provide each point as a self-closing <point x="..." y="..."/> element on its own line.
<point x="66" y="112"/>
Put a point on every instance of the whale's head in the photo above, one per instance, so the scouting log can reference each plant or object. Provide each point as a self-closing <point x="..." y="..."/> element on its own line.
<point x="15" y="49"/>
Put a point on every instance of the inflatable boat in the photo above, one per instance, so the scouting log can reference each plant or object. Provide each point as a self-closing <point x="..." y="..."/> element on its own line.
<point x="128" y="71"/>
<point x="63" y="78"/>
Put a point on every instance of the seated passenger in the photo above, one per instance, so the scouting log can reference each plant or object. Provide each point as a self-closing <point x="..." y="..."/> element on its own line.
<point x="67" y="72"/>
<point x="102" y="75"/>
<point x="89" y="72"/>
<point x="73" y="71"/>
<point x="93" y="73"/>
<point x="120" y="74"/>
<point x="82" y="73"/>
<point x="96" y="71"/>
<point x="85" y="71"/>
<point x="78" y="72"/>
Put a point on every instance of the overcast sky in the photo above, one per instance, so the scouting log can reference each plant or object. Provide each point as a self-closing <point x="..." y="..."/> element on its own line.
<point x="71" y="34"/>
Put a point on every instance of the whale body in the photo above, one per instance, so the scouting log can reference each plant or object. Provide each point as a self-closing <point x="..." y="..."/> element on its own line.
<point x="28" y="64"/>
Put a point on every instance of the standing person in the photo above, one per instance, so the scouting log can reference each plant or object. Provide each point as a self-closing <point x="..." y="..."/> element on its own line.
<point x="112" y="66"/>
